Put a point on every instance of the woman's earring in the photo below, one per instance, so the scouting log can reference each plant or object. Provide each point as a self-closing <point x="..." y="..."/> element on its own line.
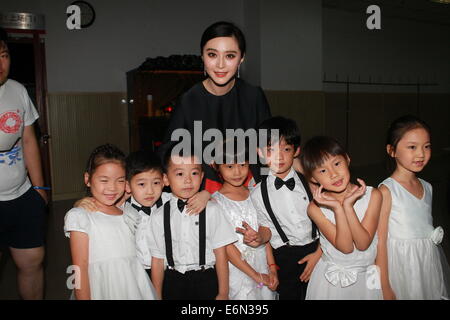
<point x="239" y="67"/>
<point x="204" y="72"/>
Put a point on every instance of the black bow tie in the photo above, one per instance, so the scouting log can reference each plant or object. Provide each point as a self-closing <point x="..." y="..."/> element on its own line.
<point x="181" y="204"/>
<point x="290" y="183"/>
<point x="146" y="210"/>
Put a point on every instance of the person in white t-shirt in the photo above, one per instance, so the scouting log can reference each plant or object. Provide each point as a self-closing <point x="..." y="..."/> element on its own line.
<point x="22" y="202"/>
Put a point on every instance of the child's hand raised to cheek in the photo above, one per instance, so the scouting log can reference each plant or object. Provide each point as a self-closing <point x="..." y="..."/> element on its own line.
<point x="87" y="203"/>
<point x="355" y="193"/>
<point x="198" y="202"/>
<point x="325" y="200"/>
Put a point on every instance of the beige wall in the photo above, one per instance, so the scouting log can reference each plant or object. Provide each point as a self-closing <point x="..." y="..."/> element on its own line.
<point x="369" y="117"/>
<point x="81" y="121"/>
<point x="307" y="108"/>
<point x="78" y="123"/>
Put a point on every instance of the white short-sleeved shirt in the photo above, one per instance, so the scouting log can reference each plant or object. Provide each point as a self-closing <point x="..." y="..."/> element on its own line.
<point x="185" y="235"/>
<point x="143" y="231"/>
<point x="290" y="209"/>
<point x="16" y="112"/>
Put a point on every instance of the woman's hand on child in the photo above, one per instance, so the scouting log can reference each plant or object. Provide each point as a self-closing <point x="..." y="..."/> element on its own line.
<point x="87" y="203"/>
<point x="311" y="261"/>
<point x="198" y="202"/>
<point x="251" y="237"/>
<point x="325" y="200"/>
<point x="355" y="193"/>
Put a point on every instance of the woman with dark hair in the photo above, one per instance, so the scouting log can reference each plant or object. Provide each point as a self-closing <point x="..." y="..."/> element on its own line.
<point x="223" y="100"/>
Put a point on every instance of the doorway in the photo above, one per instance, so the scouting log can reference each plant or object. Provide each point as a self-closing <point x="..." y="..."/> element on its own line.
<point x="27" y="51"/>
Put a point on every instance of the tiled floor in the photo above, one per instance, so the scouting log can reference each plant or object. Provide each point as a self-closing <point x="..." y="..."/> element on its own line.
<point x="58" y="253"/>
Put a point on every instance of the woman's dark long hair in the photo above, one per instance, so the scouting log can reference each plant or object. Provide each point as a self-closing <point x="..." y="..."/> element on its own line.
<point x="223" y="29"/>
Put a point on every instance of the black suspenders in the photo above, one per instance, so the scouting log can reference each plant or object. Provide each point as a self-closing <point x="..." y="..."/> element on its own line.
<point x="310" y="197"/>
<point x="202" y="237"/>
<point x="159" y="203"/>
<point x="265" y="196"/>
<point x="168" y="236"/>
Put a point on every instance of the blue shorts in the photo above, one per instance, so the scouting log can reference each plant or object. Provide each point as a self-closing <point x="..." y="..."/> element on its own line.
<point x="23" y="221"/>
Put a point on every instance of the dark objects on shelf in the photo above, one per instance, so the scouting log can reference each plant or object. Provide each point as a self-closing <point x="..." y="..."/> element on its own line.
<point x="173" y="62"/>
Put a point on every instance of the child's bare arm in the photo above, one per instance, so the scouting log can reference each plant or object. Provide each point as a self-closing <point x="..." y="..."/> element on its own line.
<point x="273" y="268"/>
<point x="265" y="234"/>
<point x="158" y="275"/>
<point x="235" y="257"/>
<point x="198" y="202"/>
<point x="79" y="248"/>
<point x="364" y="231"/>
<point x="222" y="273"/>
<point x="339" y="235"/>
<point x="382" y="257"/>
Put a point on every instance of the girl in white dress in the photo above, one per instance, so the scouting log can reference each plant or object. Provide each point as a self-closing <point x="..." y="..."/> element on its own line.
<point x="347" y="217"/>
<point x="253" y="273"/>
<point x="412" y="265"/>
<point x="102" y="246"/>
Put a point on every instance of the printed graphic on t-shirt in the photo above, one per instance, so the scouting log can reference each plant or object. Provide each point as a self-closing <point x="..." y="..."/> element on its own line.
<point x="10" y="158"/>
<point x="10" y="129"/>
<point x="10" y="122"/>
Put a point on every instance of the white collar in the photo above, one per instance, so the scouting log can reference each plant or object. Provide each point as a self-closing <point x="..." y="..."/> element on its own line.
<point x="133" y="201"/>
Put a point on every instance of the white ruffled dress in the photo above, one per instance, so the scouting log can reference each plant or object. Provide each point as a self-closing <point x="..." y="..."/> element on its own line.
<point x="340" y="276"/>
<point x="416" y="262"/>
<point x="114" y="270"/>
<point x="242" y="287"/>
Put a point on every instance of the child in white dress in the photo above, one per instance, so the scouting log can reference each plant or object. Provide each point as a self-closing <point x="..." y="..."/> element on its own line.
<point x="412" y="264"/>
<point x="253" y="273"/>
<point x="347" y="217"/>
<point x="102" y="246"/>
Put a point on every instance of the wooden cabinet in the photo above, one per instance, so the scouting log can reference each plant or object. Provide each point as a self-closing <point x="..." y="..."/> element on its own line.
<point x="147" y="121"/>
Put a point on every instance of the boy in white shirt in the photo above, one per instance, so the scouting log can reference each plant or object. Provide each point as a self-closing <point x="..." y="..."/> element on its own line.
<point x="144" y="176"/>
<point x="281" y="200"/>
<point x="189" y="260"/>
